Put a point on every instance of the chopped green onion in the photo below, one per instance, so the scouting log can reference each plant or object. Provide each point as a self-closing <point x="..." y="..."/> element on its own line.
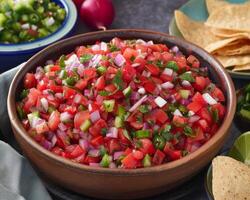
<point x="127" y="92"/>
<point x="105" y="160"/>
<point x="146" y="161"/>
<point x="142" y="134"/>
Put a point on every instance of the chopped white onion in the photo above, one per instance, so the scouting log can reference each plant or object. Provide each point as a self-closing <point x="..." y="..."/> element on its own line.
<point x="138" y="103"/>
<point x="209" y="99"/>
<point x="72" y="62"/>
<point x="119" y="60"/>
<point x="193" y="118"/>
<point x="34" y="27"/>
<point x="167" y="85"/>
<point x="45" y="104"/>
<point x="90" y="107"/>
<point x="135" y="64"/>
<point x="141" y="90"/>
<point x="140" y="41"/>
<point x="168" y="71"/>
<point x="59" y="95"/>
<point x="104" y="46"/>
<point x="95" y="116"/>
<point x="160" y="101"/>
<point x="77" y="98"/>
<point x="95" y="60"/>
<point x="190" y="113"/>
<point x="186" y="83"/>
<point x="65" y="117"/>
<point x="25" y="26"/>
<point x="146" y="74"/>
<point x="150" y="42"/>
<point x="50" y="21"/>
<point x="177" y="112"/>
<point x="95" y="47"/>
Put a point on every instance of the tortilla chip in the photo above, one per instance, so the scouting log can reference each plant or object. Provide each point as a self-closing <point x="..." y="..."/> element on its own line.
<point x="229" y="33"/>
<point x="194" y="31"/>
<point x="229" y="61"/>
<point x="238" y="68"/>
<point x="235" y="17"/>
<point x="222" y="43"/>
<point x="215" y="4"/>
<point x="240" y="48"/>
<point x="231" y="179"/>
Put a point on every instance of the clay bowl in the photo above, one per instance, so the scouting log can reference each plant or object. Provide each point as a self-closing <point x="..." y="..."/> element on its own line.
<point x="120" y="183"/>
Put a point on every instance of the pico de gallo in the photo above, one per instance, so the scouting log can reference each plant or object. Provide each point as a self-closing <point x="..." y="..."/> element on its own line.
<point x="122" y="104"/>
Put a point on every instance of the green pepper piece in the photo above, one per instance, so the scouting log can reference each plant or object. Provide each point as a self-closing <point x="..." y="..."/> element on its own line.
<point x="104" y="131"/>
<point x="101" y="70"/>
<point x="187" y="76"/>
<point x="142" y="134"/>
<point x="118" y="122"/>
<point x="188" y="131"/>
<point x="103" y="151"/>
<point x="146" y="161"/>
<point x="85" y="58"/>
<point x="105" y="161"/>
<point x="215" y="115"/>
<point x="71" y="81"/>
<point x="172" y="65"/>
<point x="20" y="112"/>
<point x="109" y="105"/>
<point x="34" y="18"/>
<point x="85" y="125"/>
<point x="144" y="109"/>
<point x="159" y="142"/>
<point x="127" y="92"/>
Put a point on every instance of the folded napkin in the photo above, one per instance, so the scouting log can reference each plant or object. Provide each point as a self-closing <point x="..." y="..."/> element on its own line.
<point x="18" y="181"/>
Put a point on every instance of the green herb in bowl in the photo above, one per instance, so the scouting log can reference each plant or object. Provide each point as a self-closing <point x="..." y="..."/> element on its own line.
<point x="28" y="20"/>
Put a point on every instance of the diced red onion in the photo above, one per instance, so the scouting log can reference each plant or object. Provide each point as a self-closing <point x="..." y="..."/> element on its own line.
<point x="209" y="99"/>
<point x="112" y="165"/>
<point x="94" y="152"/>
<point x="146" y="74"/>
<point x="77" y="98"/>
<point x="168" y="71"/>
<point x="117" y="154"/>
<point x="46" y="144"/>
<point x="54" y="140"/>
<point x="172" y="99"/>
<point x="185" y="102"/>
<point x="95" y="60"/>
<point x="62" y="127"/>
<point x="84" y="144"/>
<point x="45" y="104"/>
<point x="138" y="103"/>
<point x="50" y="97"/>
<point x="145" y="126"/>
<point x="156" y="127"/>
<point x="87" y="93"/>
<point x="135" y="96"/>
<point x="195" y="146"/>
<point x="94" y="164"/>
<point x="167" y="85"/>
<point x="119" y="60"/>
<point x="186" y="83"/>
<point x="90" y="107"/>
<point x="175" y="49"/>
<point x="65" y="116"/>
<point x="95" y="116"/>
<point x="135" y="64"/>
<point x="39" y="73"/>
<point x="59" y="95"/>
<point x="112" y="133"/>
<point x="72" y="62"/>
<point x="193" y="118"/>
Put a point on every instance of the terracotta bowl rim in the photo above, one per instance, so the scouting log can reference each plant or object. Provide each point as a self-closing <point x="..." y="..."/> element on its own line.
<point x="231" y="103"/>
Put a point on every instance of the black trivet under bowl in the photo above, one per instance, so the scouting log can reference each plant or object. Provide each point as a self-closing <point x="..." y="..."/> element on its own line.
<point x="187" y="191"/>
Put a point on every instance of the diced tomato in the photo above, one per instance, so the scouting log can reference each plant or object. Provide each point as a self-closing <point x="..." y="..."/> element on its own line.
<point x="31" y="99"/>
<point x="57" y="150"/>
<point x="179" y="121"/>
<point x="55" y="68"/>
<point x="138" y="154"/>
<point x="68" y="92"/>
<point x="129" y="162"/>
<point x="193" y="61"/>
<point x="200" y="83"/>
<point x="30" y="81"/>
<point x="54" y="120"/>
<point x="128" y="73"/>
<point x="42" y="128"/>
<point x="80" y="117"/>
<point x="220" y="108"/>
<point x="110" y="88"/>
<point x="77" y="151"/>
<point x="90" y="159"/>
<point x="147" y="146"/>
<point x="198" y="98"/>
<point x="218" y="94"/>
<point x="158" y="157"/>
<point x="97" y="141"/>
<point x="127" y="151"/>
<point x="172" y="154"/>
<point x="203" y="124"/>
<point x="194" y="106"/>
<point x="154" y="70"/>
<point x="149" y="87"/>
<point x="129" y="53"/>
<point x="161" y="116"/>
<point x="136" y="125"/>
<point x="82" y="50"/>
<point x="165" y="78"/>
<point x="100" y="83"/>
<point x="89" y="73"/>
<point x="167" y="56"/>
<point x="81" y="84"/>
<point x="95" y="129"/>
<point x="205" y="114"/>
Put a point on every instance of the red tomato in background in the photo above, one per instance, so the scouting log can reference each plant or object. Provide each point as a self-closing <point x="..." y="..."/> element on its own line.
<point x="78" y="3"/>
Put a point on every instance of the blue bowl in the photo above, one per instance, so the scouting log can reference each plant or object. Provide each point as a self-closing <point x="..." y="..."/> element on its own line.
<point x="12" y="55"/>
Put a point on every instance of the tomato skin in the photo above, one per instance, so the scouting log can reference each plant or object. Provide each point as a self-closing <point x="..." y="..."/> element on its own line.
<point x="147" y="146"/>
<point x="154" y="70"/>
<point x="97" y="141"/>
<point x="54" y="120"/>
<point x="193" y="61"/>
<point x="199" y="99"/>
<point x="136" y="125"/>
<point x="129" y="53"/>
<point x="100" y="83"/>
<point x="29" y="81"/>
<point x="149" y="87"/>
<point x="205" y="114"/>
<point x="130" y="162"/>
<point x="218" y="94"/>
<point x="80" y="117"/>
<point x="200" y="83"/>
<point x="161" y="116"/>
<point x="128" y="73"/>
<point x="194" y="106"/>
<point x="158" y="157"/>
<point x="68" y="92"/>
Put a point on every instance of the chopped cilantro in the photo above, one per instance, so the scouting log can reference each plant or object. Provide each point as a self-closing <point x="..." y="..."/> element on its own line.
<point x="117" y="81"/>
<point x="104" y="93"/>
<point x="62" y="61"/>
<point x="172" y="65"/>
<point x="187" y="76"/>
<point x="144" y="109"/>
<point x="85" y="58"/>
<point x="104" y="131"/>
<point x="113" y="48"/>
<point x="188" y="131"/>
